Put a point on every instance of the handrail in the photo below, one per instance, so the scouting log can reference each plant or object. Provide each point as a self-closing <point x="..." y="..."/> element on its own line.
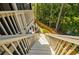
<point x="23" y="41"/>
<point x="2" y="12"/>
<point x="11" y="38"/>
<point x="64" y="44"/>
<point x="71" y="39"/>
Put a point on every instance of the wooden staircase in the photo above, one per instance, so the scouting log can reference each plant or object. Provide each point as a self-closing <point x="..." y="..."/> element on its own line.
<point x="39" y="44"/>
<point x="15" y="41"/>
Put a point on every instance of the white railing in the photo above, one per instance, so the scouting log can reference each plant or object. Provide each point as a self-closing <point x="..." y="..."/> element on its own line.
<point x="64" y="44"/>
<point x="15" y="22"/>
<point x="16" y="44"/>
<point x="13" y="28"/>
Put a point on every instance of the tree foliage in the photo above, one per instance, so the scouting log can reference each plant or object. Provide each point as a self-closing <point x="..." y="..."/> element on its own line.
<point x="69" y="21"/>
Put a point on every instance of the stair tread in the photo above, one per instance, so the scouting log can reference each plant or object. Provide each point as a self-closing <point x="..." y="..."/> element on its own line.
<point x="41" y="47"/>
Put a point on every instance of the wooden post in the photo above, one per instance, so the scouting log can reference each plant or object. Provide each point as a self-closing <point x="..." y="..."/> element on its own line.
<point x="14" y="23"/>
<point x="59" y="44"/>
<point x="7" y="50"/>
<point x="3" y="28"/>
<point x="7" y="25"/>
<point x="72" y="49"/>
<point x="20" y="48"/>
<point x="23" y="46"/>
<point x="61" y="47"/>
<point x="64" y="49"/>
<point x="14" y="6"/>
<point x="15" y="48"/>
<point x="19" y="23"/>
<point x="11" y="24"/>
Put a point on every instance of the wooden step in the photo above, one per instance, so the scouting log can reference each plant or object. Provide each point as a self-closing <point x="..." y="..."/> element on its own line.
<point x="41" y="47"/>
